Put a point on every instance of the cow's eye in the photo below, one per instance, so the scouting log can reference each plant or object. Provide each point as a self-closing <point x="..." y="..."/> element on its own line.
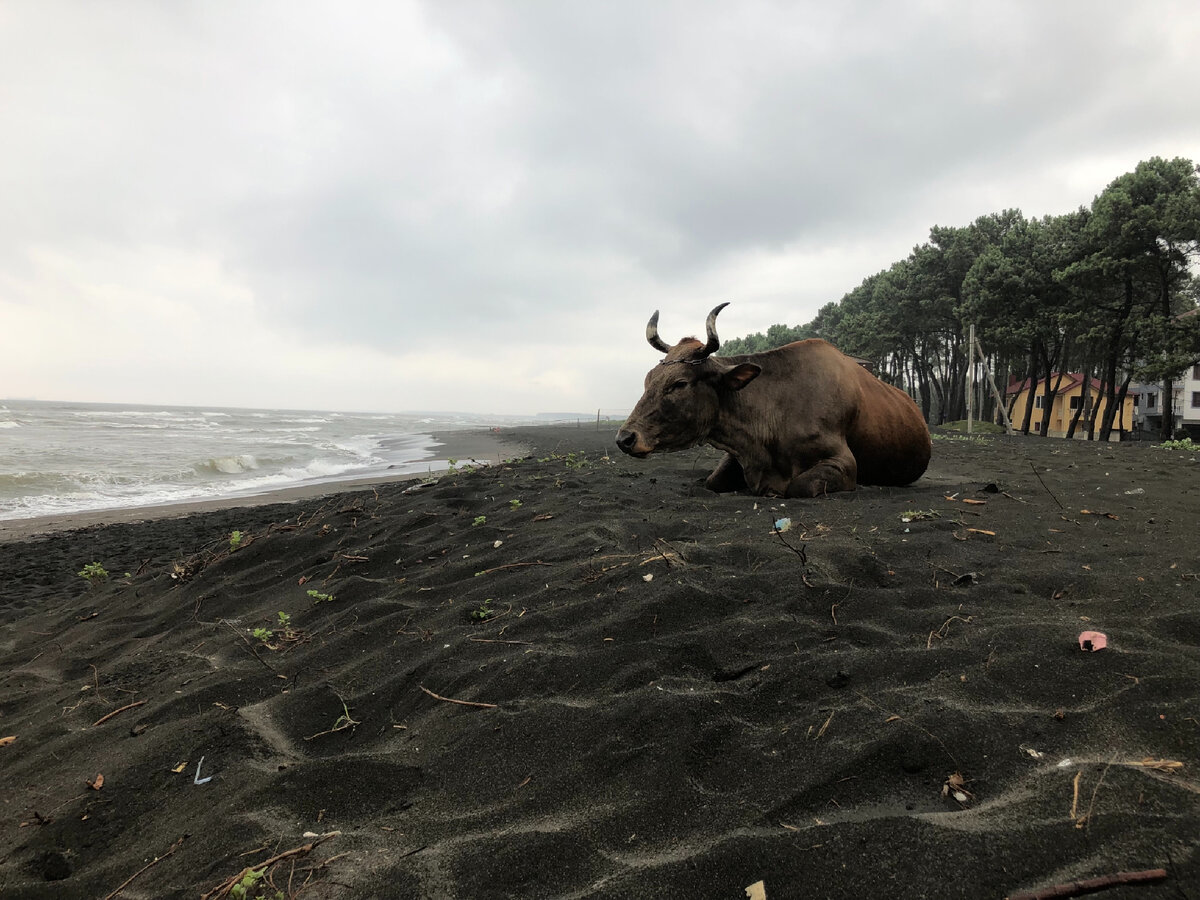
<point x="682" y="383"/>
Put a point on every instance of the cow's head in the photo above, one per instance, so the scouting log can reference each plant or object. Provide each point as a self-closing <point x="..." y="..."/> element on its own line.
<point x="684" y="393"/>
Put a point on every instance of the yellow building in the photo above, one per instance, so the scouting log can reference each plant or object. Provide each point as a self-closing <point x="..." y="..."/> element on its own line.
<point x="1067" y="401"/>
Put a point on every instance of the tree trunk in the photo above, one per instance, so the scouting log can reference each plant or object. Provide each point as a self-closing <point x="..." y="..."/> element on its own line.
<point x="1033" y="379"/>
<point x="1085" y="400"/>
<point x="1110" y="362"/>
<point x="1168" y="410"/>
<point x="1048" y="400"/>
<point x="1121" y="394"/>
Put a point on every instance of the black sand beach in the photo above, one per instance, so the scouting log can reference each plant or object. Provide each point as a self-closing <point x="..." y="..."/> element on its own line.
<point x="583" y="675"/>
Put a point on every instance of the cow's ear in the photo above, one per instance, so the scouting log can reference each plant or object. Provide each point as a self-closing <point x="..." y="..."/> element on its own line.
<point x="740" y="376"/>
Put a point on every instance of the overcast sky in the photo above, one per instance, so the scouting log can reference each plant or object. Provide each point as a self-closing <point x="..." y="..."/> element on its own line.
<point x="476" y="206"/>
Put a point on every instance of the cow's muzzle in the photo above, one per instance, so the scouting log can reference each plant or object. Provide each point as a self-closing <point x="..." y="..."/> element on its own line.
<point x="631" y="442"/>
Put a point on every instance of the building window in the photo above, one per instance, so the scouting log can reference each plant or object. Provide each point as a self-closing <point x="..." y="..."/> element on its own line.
<point x="1038" y="401"/>
<point x="1076" y="402"/>
<point x="1196" y="372"/>
<point x="1137" y="400"/>
<point x="1037" y="426"/>
<point x="1151" y="399"/>
<point x="1195" y="399"/>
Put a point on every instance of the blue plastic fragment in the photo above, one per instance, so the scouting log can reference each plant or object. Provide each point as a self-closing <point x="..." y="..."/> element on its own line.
<point x="198" y="779"/>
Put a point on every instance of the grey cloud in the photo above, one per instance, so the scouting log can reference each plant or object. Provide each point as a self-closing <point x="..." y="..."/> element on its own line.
<point x="405" y="175"/>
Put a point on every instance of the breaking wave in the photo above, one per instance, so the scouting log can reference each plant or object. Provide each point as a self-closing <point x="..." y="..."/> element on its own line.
<point x="229" y="465"/>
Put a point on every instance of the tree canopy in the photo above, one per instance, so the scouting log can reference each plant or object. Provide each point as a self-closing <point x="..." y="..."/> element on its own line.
<point x="1098" y="290"/>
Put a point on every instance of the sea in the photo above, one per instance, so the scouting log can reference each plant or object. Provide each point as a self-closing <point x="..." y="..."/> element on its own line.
<point x="72" y="457"/>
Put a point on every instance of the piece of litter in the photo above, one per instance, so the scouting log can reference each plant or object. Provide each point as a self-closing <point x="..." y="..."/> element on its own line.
<point x="757" y="891"/>
<point x="1034" y="753"/>
<point x="1066" y="763"/>
<point x="179" y="768"/>
<point x="198" y="779"/>
<point x="783" y="524"/>
<point x="1093" y="640"/>
<point x="310" y="834"/>
<point x="1136" y="491"/>
<point x="497" y="544"/>
<point x="648" y="577"/>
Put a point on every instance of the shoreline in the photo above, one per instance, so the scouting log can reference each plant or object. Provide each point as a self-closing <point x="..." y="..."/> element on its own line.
<point x="469" y="445"/>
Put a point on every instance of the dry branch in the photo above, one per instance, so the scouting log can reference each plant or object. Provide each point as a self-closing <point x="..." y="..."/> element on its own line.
<point x="104" y="719"/>
<point x="452" y="700"/>
<point x="518" y="565"/>
<point x="1088" y="885"/>
<point x="124" y="884"/>
<point x="222" y="889"/>
<point x="800" y="553"/>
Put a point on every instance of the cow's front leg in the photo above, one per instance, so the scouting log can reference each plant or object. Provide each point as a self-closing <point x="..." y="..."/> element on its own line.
<point x="836" y="473"/>
<point x="727" y="476"/>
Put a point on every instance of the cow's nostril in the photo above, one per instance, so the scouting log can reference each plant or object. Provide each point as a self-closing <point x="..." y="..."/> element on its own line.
<point x="626" y="440"/>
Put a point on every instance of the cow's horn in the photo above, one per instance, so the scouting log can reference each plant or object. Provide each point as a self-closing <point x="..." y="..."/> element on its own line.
<point x="652" y="334"/>
<point x="711" y="327"/>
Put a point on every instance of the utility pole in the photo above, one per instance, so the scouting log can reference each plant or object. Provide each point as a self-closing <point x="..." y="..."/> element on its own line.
<point x="970" y="375"/>
<point x="1000" y="405"/>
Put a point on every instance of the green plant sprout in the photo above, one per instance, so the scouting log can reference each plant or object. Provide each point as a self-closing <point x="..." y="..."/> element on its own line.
<point x="283" y="630"/>
<point x="235" y="540"/>
<point x="514" y="503"/>
<point x="243" y="889"/>
<point x="484" y="612"/>
<point x="319" y="597"/>
<point x="479" y="520"/>
<point x="94" y="573"/>
<point x="1182" y="444"/>
<point x="343" y="722"/>
<point x="573" y="460"/>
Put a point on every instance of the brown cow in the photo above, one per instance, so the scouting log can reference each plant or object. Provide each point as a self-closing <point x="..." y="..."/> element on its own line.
<point x="797" y="421"/>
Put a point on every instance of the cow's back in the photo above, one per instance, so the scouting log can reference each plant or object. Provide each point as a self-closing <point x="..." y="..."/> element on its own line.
<point x="887" y="435"/>
<point x="882" y="425"/>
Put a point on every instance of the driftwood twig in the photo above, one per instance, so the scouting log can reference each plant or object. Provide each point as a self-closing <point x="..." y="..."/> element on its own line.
<point x="103" y="719"/>
<point x="1088" y="885"/>
<point x="517" y="565"/>
<point x="124" y="884"/>
<point x="802" y="553"/>
<point x="452" y="700"/>
<point x="222" y="889"/>
<point x="1039" y="478"/>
